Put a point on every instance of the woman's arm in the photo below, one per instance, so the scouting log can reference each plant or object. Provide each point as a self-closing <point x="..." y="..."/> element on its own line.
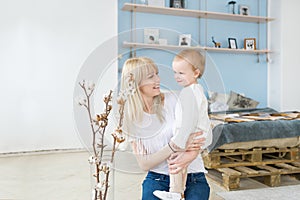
<point x="148" y="161"/>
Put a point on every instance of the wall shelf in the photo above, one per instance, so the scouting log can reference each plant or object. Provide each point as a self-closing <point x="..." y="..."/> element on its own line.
<point x="194" y="13"/>
<point x="176" y="47"/>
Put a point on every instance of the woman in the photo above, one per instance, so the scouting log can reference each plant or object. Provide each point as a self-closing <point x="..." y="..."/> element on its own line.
<point x="149" y="121"/>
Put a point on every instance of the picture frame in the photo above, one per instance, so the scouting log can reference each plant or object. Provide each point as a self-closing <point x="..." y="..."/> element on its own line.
<point x="177" y="4"/>
<point x="151" y="36"/>
<point x="244" y="10"/>
<point x="185" y="40"/>
<point x="232" y="43"/>
<point x="250" y="43"/>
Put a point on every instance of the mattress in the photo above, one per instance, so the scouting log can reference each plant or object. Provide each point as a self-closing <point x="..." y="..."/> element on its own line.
<point x="256" y="133"/>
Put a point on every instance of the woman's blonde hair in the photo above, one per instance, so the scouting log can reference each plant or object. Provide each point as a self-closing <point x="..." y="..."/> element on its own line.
<point x="138" y="68"/>
<point x="194" y="58"/>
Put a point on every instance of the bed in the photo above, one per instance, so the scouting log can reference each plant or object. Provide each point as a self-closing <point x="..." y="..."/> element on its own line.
<point x="246" y="128"/>
<point x="254" y="143"/>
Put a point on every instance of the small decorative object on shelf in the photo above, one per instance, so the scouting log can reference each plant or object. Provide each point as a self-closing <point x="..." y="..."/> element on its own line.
<point x="244" y="10"/>
<point x="185" y="40"/>
<point x="232" y="43"/>
<point x="151" y="36"/>
<point x="231" y="7"/>
<point x="158" y="3"/>
<point x="178" y="4"/>
<point x="98" y="124"/>
<point x="217" y="44"/>
<point x="250" y="43"/>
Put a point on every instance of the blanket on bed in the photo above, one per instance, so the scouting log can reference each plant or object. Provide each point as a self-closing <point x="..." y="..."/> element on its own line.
<point x="254" y="130"/>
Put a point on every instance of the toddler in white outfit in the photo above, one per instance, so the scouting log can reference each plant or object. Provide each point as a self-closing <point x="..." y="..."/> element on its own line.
<point x="191" y="114"/>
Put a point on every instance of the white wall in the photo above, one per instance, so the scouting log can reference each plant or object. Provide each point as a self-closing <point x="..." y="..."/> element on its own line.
<point x="284" y="69"/>
<point x="42" y="46"/>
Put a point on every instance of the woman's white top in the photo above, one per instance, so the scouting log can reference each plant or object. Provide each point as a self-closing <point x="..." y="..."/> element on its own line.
<point x="191" y="115"/>
<point x="153" y="135"/>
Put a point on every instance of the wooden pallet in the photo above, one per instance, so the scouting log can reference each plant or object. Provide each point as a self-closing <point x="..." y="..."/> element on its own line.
<point x="271" y="174"/>
<point x="250" y="157"/>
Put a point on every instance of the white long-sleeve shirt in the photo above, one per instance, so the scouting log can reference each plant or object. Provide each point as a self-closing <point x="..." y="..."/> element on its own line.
<point x="153" y="136"/>
<point x="191" y="116"/>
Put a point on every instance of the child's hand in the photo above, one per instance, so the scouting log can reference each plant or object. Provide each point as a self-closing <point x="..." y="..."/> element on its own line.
<point x="195" y="142"/>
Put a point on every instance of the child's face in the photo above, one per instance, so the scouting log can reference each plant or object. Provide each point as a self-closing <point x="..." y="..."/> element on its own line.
<point x="184" y="73"/>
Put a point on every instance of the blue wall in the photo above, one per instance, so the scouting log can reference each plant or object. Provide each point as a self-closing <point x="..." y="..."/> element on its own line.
<point x="241" y="73"/>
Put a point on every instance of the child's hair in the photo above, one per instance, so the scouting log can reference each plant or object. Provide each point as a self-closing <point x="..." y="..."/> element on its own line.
<point x="194" y="58"/>
<point x="134" y="107"/>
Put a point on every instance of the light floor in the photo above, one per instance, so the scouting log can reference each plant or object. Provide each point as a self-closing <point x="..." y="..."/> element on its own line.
<point x="66" y="175"/>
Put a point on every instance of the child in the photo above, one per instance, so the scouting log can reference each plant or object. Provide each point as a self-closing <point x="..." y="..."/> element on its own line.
<point x="191" y="113"/>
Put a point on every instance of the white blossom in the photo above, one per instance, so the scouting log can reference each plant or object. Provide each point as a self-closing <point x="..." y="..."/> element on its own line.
<point x="82" y="82"/>
<point x="90" y="85"/>
<point x="124" y="94"/>
<point x="100" y="187"/>
<point x="107" y="164"/>
<point x="81" y="100"/>
<point x="92" y="160"/>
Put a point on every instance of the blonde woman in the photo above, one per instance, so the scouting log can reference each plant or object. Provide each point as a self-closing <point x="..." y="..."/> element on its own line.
<point x="149" y="122"/>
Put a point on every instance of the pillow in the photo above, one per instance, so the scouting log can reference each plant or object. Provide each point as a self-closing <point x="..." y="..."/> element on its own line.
<point x="237" y="101"/>
<point x="217" y="97"/>
<point x="218" y="107"/>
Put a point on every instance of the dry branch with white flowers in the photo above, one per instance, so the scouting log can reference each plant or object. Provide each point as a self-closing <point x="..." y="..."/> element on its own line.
<point x="98" y="124"/>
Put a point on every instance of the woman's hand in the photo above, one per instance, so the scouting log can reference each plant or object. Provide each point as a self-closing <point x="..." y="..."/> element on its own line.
<point x="195" y="142"/>
<point x="180" y="160"/>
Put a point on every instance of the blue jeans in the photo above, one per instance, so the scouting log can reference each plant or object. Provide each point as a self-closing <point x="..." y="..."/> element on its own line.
<point x="197" y="187"/>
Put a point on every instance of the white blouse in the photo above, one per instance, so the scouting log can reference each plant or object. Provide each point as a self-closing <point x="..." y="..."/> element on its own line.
<point x="154" y="135"/>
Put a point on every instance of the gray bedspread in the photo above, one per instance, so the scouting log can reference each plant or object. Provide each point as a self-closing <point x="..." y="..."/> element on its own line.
<point x="254" y="130"/>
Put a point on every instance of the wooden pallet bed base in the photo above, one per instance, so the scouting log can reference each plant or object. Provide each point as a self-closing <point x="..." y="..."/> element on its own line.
<point x="270" y="173"/>
<point x="251" y="157"/>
